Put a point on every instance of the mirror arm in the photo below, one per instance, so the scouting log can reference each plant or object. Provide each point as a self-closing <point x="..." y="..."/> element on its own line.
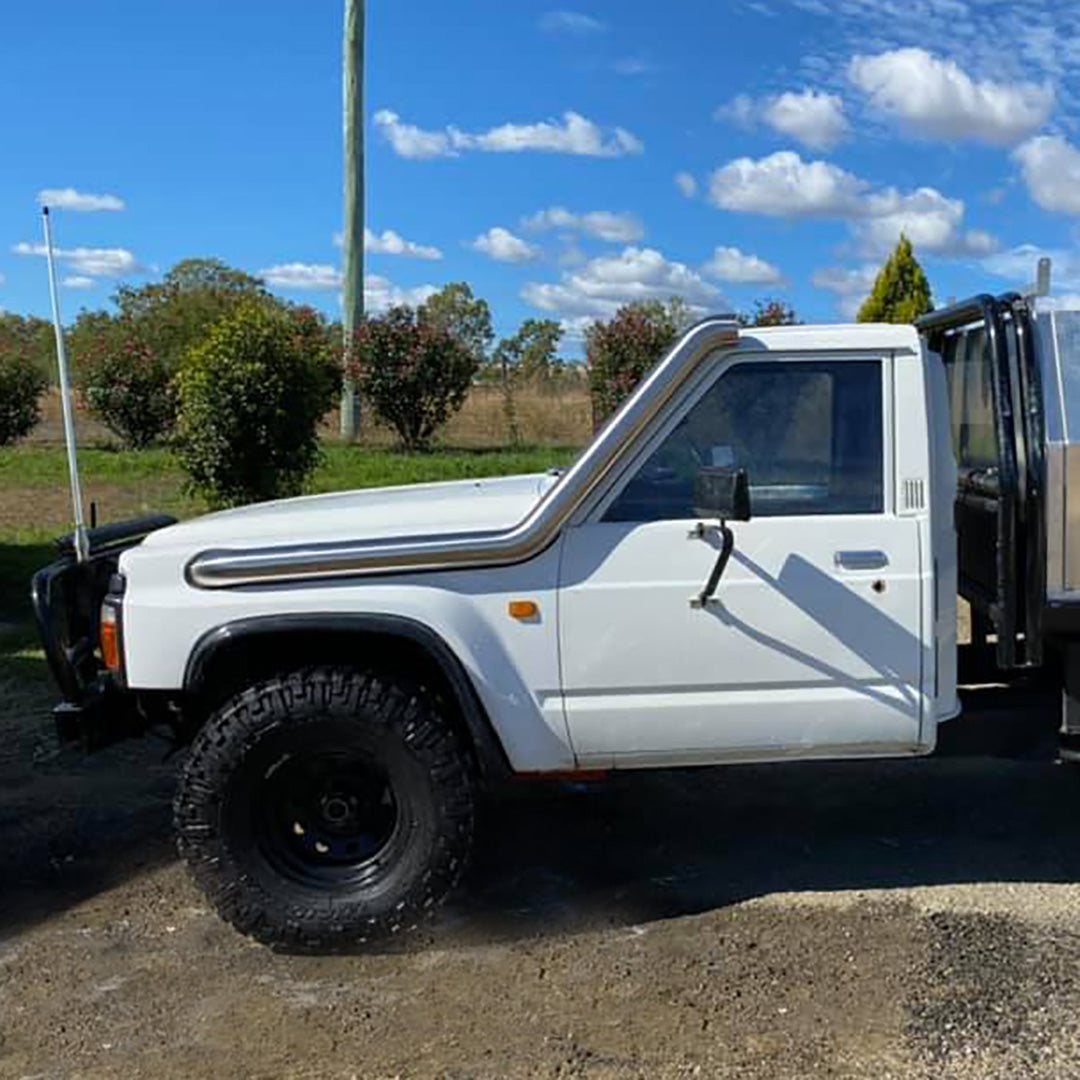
<point x="727" y="545"/>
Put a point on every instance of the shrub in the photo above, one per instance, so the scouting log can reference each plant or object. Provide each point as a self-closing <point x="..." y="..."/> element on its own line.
<point x="621" y="351"/>
<point x="250" y="398"/>
<point x="124" y="363"/>
<point x="22" y="383"/>
<point x="124" y="383"/>
<point x="31" y="336"/>
<point x="414" y="374"/>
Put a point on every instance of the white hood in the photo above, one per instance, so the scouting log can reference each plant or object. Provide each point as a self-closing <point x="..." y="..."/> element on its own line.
<point x="414" y="510"/>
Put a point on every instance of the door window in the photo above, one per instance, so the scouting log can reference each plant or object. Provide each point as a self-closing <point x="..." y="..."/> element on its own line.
<point x="809" y="435"/>
<point x="968" y="362"/>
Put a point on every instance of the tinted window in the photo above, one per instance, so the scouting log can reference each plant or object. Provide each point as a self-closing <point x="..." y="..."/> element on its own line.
<point x="808" y="434"/>
<point x="971" y="398"/>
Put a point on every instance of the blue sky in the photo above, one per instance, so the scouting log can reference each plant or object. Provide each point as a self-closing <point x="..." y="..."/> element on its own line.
<point x="561" y="160"/>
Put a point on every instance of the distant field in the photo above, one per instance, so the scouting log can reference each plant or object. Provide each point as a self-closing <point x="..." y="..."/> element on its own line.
<point x="546" y="417"/>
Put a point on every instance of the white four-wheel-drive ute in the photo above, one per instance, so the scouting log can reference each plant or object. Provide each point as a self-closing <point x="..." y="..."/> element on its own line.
<point x="757" y="559"/>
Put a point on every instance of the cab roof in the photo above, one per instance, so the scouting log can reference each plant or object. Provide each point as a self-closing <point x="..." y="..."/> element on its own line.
<point x="840" y="337"/>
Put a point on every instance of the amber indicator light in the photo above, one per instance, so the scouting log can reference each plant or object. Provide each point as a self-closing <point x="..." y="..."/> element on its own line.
<point x="523" y="609"/>
<point x="110" y="640"/>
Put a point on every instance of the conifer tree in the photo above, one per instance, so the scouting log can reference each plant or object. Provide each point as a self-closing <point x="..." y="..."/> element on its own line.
<point x="901" y="292"/>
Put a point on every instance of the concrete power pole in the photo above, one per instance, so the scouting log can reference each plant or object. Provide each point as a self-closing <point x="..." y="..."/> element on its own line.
<point x="352" y="241"/>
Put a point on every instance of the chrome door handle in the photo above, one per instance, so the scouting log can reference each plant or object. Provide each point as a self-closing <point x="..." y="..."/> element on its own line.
<point x="861" y="560"/>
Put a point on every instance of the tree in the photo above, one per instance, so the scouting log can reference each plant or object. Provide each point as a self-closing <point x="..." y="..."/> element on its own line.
<point x="176" y="313"/>
<point x="31" y="337"/>
<point x="619" y="352"/>
<point x="770" y="312"/>
<point x="901" y="293"/>
<point x="467" y="317"/>
<point x="414" y="373"/>
<point x="124" y="363"/>
<point x="250" y="397"/>
<point x="22" y="382"/>
<point x="531" y="353"/>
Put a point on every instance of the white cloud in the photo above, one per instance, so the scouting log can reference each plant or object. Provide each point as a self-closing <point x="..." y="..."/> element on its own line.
<point x="1019" y="266"/>
<point x="1007" y="43"/>
<point x="741" y="109"/>
<point x="616" y="228"/>
<point x="298" y="275"/>
<point x="603" y="285"/>
<point x="1051" y="168"/>
<point x="570" y="22"/>
<point x="937" y="98"/>
<point x="784" y="185"/>
<point x="389" y="242"/>
<point x="88" y="262"/>
<point x="1025" y="41"/>
<point x="734" y="266"/>
<point x="573" y="134"/>
<point x="409" y="141"/>
<point x="70" y="199"/>
<point x="78" y="281"/>
<point x="812" y="117"/>
<point x="380" y="294"/>
<point x="930" y="220"/>
<point x="851" y="287"/>
<point x="686" y="184"/>
<point x="503" y="246"/>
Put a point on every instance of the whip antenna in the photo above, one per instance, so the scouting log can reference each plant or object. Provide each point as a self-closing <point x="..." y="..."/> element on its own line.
<point x="82" y="547"/>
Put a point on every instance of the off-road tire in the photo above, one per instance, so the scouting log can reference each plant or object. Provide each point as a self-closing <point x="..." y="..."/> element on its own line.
<point x="237" y="778"/>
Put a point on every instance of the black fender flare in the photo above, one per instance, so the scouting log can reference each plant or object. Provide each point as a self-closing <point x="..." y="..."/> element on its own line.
<point x="491" y="756"/>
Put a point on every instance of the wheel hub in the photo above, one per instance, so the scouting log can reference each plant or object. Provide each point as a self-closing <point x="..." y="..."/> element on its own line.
<point x="338" y="809"/>
<point x="326" y="812"/>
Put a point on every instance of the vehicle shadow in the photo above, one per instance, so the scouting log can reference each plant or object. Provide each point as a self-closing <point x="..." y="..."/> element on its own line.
<point x="995" y="806"/>
<point x="570" y="857"/>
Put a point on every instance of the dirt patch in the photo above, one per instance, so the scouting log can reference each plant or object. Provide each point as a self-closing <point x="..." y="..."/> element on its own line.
<point x="734" y="993"/>
<point x="869" y="919"/>
<point x="51" y="507"/>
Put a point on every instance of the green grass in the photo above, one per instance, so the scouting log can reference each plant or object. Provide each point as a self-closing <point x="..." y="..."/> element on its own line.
<point x="34" y="510"/>
<point x="343" y="466"/>
<point x="46" y="466"/>
<point x="348" y="467"/>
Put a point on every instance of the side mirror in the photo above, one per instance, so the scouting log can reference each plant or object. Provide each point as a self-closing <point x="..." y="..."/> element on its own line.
<point x="722" y="493"/>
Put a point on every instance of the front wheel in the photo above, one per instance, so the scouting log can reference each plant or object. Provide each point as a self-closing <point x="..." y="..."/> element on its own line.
<point x="326" y="808"/>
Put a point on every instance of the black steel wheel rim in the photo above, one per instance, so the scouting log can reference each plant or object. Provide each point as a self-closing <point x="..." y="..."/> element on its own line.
<point x="326" y="818"/>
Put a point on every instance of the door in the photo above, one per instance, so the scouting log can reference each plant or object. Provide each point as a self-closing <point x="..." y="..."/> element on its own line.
<point x="996" y="415"/>
<point x="813" y="647"/>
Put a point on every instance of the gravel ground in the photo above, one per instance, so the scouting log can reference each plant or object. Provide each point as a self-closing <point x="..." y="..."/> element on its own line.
<point x="907" y="919"/>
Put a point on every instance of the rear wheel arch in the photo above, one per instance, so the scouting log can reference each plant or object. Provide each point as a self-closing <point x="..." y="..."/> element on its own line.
<point x="239" y="653"/>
